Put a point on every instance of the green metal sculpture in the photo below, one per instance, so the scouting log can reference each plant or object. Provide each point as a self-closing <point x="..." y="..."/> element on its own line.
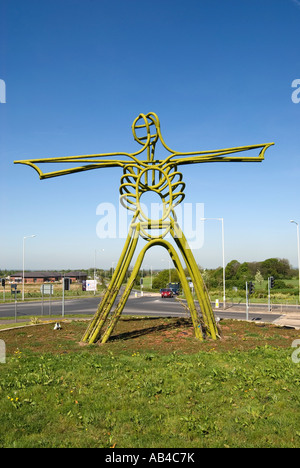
<point x="162" y="177"/>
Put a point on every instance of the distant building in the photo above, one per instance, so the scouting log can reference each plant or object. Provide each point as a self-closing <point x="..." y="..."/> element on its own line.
<point x="47" y="276"/>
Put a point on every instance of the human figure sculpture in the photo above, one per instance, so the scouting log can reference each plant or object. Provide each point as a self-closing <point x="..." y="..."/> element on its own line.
<point x="162" y="177"/>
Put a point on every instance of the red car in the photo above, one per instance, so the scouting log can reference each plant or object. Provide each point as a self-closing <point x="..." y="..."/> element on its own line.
<point x="166" y="293"/>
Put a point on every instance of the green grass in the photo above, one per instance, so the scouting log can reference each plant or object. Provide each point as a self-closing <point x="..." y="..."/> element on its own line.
<point x="240" y="392"/>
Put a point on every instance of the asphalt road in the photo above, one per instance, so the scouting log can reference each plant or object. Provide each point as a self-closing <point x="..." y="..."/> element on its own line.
<point x="150" y="306"/>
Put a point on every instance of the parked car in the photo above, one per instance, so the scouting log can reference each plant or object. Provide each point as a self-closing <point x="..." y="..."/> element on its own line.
<point x="175" y="288"/>
<point x="166" y="292"/>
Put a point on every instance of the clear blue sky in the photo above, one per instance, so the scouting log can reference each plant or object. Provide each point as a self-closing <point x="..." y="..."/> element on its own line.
<point x="217" y="72"/>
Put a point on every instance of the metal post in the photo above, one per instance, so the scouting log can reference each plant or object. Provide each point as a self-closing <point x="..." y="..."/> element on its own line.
<point x="63" y="297"/>
<point x="298" y="256"/>
<point x="298" y="248"/>
<point x="23" y="279"/>
<point x="50" y="300"/>
<point x="247" y="302"/>
<point x="94" y="272"/>
<point x="223" y="254"/>
<point x="223" y="257"/>
<point x="269" y="294"/>
<point x="42" y="300"/>
<point x="16" y="305"/>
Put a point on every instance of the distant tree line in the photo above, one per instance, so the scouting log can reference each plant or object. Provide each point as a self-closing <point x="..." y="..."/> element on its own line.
<point x="237" y="273"/>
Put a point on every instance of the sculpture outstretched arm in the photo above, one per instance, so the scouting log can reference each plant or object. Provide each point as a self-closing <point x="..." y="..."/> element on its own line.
<point x="147" y="123"/>
<point x="91" y="161"/>
<point x="222" y="155"/>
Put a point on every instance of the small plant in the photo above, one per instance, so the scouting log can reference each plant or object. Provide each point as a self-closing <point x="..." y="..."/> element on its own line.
<point x="34" y="320"/>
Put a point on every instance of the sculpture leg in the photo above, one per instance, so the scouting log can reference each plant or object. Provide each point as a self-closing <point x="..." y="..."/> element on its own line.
<point x="94" y="329"/>
<point x="188" y="294"/>
<point x="200" y="288"/>
<point x="101" y="317"/>
<point x="118" y="311"/>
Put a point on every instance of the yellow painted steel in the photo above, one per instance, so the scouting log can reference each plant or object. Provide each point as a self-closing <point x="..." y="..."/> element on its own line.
<point x="191" y="304"/>
<point x="160" y="176"/>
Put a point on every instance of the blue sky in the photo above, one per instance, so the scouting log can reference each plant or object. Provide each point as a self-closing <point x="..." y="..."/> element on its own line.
<point x="217" y="72"/>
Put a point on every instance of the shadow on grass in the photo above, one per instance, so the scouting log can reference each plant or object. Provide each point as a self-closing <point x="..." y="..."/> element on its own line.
<point x="179" y="323"/>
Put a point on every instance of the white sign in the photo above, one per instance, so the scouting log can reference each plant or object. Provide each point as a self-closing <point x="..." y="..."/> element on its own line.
<point x="91" y="285"/>
<point x="47" y="289"/>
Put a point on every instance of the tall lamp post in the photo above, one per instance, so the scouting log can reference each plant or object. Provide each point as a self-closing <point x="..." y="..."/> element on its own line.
<point x="23" y="278"/>
<point x="102" y="250"/>
<point x="292" y="221"/>
<point x="223" y="256"/>
<point x="169" y="268"/>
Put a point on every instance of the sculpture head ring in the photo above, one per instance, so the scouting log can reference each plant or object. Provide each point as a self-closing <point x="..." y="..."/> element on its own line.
<point x="147" y="121"/>
<point x="143" y="185"/>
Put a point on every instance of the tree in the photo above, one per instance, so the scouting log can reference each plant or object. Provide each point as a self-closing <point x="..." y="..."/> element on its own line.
<point x="162" y="279"/>
<point x="231" y="269"/>
<point x="259" y="278"/>
<point x="279" y="268"/>
<point x="243" y="273"/>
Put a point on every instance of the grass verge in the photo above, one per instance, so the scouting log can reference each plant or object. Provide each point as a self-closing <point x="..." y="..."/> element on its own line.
<point x="153" y="385"/>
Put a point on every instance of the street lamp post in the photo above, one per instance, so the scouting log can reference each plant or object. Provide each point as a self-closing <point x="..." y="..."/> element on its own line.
<point x="112" y="267"/>
<point x="23" y="278"/>
<point x="223" y="256"/>
<point x="169" y="262"/>
<point x="298" y="245"/>
<point x="100" y="250"/>
<point x="150" y="274"/>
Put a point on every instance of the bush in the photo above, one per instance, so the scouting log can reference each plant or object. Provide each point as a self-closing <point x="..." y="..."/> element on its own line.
<point x="280" y="284"/>
<point x="240" y="284"/>
<point x="162" y="279"/>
